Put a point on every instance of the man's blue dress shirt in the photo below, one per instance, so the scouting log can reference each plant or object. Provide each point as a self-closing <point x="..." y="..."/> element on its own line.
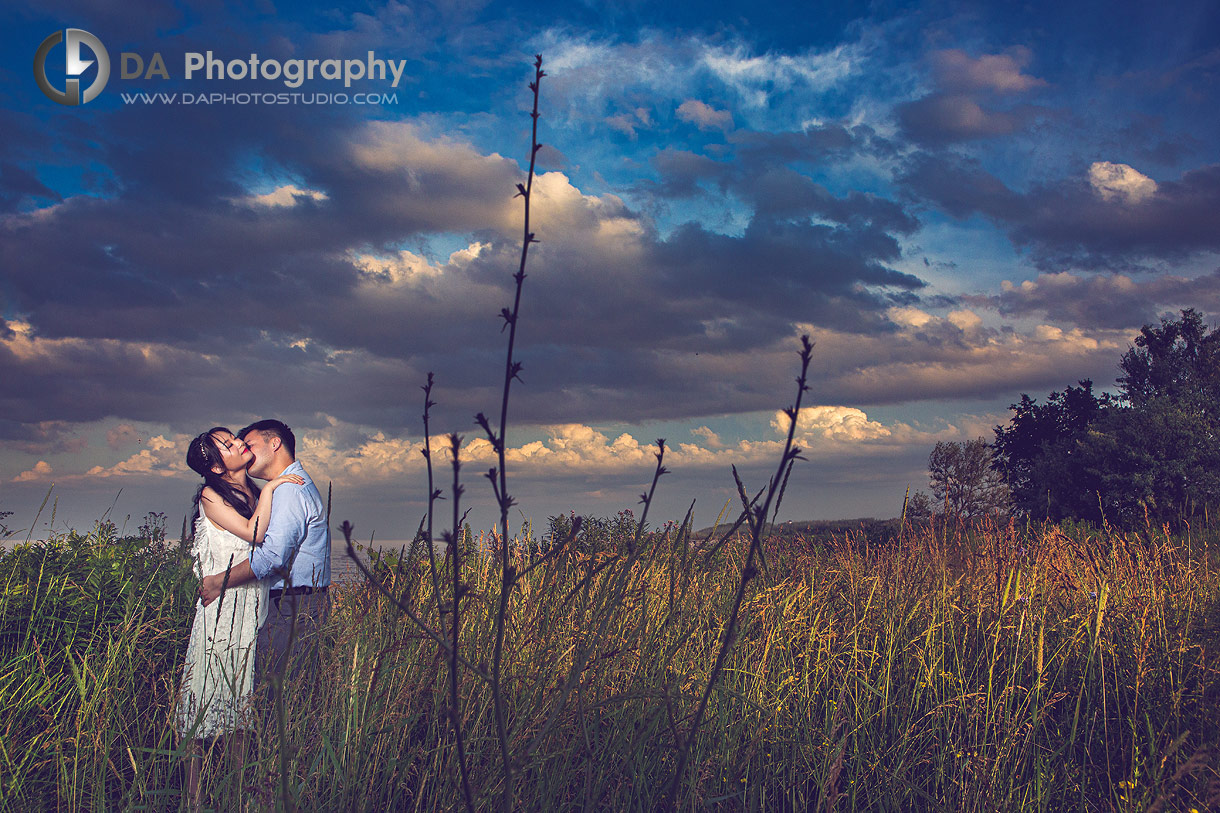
<point x="297" y="538"/>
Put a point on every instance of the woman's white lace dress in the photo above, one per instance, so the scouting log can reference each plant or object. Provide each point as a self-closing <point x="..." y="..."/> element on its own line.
<point x="218" y="676"/>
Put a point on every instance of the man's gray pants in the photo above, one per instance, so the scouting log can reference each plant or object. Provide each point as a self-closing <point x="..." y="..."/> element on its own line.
<point x="288" y="641"/>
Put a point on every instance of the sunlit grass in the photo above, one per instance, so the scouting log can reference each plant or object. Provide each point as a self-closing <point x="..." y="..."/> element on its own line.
<point x="995" y="670"/>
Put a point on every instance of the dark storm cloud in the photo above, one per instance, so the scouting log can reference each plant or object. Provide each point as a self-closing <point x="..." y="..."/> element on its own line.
<point x="966" y="104"/>
<point x="82" y="380"/>
<point x="1071" y="223"/>
<point x="764" y="175"/>
<point x="161" y="270"/>
<point x="785" y="193"/>
<point x="682" y="171"/>
<point x="19" y="187"/>
<point x="38" y="437"/>
<point x="1107" y="301"/>
<point x="792" y="271"/>
<point x="809" y="145"/>
<point x="754" y="154"/>
<point x="396" y="180"/>
<point x="945" y="118"/>
<point x="1147" y="138"/>
<point x="181" y="257"/>
<point x="1075" y="223"/>
<point x="961" y="188"/>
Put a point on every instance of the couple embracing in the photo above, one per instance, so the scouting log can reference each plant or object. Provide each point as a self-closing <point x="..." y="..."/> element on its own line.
<point x="264" y="560"/>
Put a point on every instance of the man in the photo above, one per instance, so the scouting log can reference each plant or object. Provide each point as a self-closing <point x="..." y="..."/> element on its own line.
<point x="294" y="556"/>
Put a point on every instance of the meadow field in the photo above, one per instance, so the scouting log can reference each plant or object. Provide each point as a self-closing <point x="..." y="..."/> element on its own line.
<point x="951" y="668"/>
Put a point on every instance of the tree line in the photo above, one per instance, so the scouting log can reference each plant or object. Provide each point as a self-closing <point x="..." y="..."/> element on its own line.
<point x="1147" y="452"/>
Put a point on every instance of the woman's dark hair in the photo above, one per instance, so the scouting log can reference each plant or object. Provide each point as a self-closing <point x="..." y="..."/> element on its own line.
<point x="202" y="454"/>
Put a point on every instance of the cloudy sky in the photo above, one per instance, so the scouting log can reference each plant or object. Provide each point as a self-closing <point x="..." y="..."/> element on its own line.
<point x="958" y="203"/>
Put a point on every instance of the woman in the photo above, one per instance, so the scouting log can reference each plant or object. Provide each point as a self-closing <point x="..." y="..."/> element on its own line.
<point x="231" y="515"/>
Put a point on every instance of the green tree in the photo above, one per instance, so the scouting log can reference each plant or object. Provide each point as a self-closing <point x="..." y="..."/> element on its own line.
<point x="918" y="507"/>
<point x="1160" y="451"/>
<point x="1042" y="454"/>
<point x="1152" y="461"/>
<point x="964" y="481"/>
<point x="1178" y="362"/>
<point x="1153" y="450"/>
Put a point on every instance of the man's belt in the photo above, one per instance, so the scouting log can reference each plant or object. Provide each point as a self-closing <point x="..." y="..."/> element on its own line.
<point x="297" y="591"/>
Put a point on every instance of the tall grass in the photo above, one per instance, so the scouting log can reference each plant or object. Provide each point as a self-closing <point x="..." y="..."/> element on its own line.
<point x="90" y="658"/>
<point x="990" y="670"/>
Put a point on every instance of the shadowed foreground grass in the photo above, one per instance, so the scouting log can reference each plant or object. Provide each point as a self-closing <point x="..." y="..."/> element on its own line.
<point x="994" y="670"/>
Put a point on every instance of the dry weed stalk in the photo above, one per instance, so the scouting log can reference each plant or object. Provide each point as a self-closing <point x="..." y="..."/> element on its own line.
<point x="499" y="441"/>
<point x="756" y="517"/>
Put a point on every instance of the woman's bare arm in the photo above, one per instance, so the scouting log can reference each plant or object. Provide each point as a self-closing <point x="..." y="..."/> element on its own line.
<point x="226" y="516"/>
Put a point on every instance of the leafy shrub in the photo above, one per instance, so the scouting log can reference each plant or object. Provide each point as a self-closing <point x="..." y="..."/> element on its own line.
<point x="85" y="619"/>
<point x="595" y="533"/>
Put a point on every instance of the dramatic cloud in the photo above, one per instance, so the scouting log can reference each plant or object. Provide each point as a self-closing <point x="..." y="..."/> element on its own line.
<point x="928" y="356"/>
<point x="963" y="106"/>
<point x="162" y="457"/>
<point x="18" y="187"/>
<point x="1119" y="182"/>
<point x="941" y="118"/>
<point x="356" y="458"/>
<point x="350" y="317"/>
<point x="1110" y="217"/>
<point x="628" y="123"/>
<point x="599" y="79"/>
<point x="1104" y="301"/>
<point x="961" y="188"/>
<point x="41" y="471"/>
<point x="122" y="435"/>
<point x="704" y="116"/>
<point x="285" y="196"/>
<point x="1001" y="73"/>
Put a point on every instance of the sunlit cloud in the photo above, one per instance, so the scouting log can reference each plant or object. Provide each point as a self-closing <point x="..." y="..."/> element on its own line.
<point x="288" y="195"/>
<point x="995" y="72"/>
<point x="704" y="116"/>
<point x="1119" y="182"/>
<point x="161" y="457"/>
<point x="41" y="471"/>
<point x="357" y="458"/>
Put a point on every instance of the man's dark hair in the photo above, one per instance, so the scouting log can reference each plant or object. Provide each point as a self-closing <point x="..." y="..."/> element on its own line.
<point x="279" y="429"/>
